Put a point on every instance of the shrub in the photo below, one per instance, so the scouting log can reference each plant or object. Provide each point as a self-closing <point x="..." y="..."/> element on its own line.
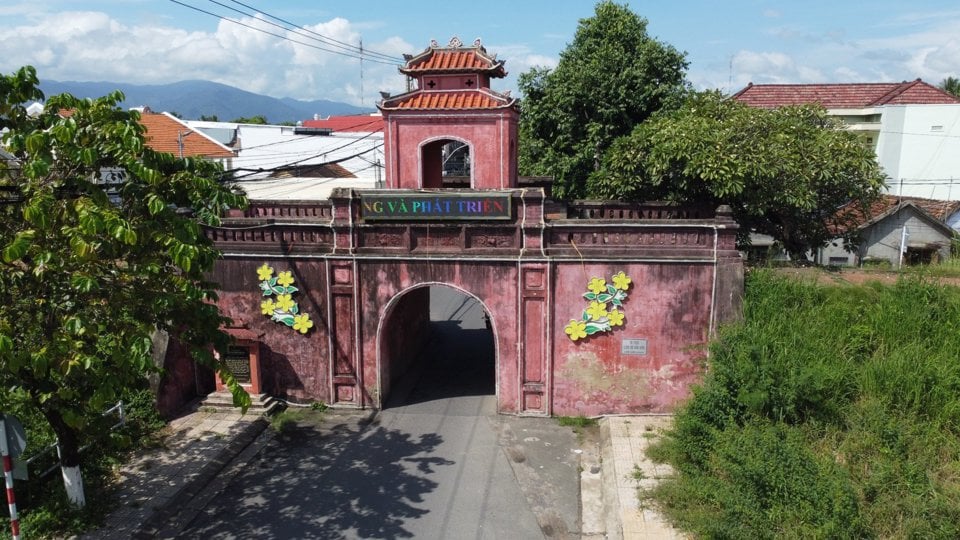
<point x="827" y="412"/>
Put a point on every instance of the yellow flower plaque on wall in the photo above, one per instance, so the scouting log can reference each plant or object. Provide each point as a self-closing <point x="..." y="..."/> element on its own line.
<point x="283" y="309"/>
<point x="598" y="317"/>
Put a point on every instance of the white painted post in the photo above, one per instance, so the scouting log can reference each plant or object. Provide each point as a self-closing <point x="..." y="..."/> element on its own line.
<point x="903" y="245"/>
<point x="8" y="480"/>
<point x="72" y="481"/>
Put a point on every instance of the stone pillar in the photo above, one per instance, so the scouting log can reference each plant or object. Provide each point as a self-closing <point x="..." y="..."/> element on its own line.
<point x="534" y="321"/>
<point x="345" y="377"/>
<point x="728" y="299"/>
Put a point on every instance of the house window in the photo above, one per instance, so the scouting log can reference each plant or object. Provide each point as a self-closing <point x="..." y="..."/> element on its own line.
<point x="936" y="128"/>
<point x="839" y="261"/>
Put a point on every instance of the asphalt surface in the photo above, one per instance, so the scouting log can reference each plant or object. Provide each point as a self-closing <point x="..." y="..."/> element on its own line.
<point x="431" y="465"/>
<point x="437" y="462"/>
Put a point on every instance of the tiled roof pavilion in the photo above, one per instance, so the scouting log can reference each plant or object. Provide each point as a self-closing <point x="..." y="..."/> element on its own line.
<point x="451" y="78"/>
<point x="845" y="95"/>
<point x="454" y="58"/>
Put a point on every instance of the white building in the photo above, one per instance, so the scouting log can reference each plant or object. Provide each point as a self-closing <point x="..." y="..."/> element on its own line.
<point x="296" y="162"/>
<point x="913" y="127"/>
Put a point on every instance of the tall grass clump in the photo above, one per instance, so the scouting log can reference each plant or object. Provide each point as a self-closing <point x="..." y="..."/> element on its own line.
<point x="828" y="412"/>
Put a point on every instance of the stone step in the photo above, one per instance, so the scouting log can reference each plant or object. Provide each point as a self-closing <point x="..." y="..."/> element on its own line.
<point x="264" y="404"/>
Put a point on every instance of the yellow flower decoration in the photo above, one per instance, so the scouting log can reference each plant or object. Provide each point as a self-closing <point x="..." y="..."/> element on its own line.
<point x="264" y="272"/>
<point x="284" y="279"/>
<point x="621" y="281"/>
<point x="302" y="323"/>
<point x="284" y="302"/>
<point x="597" y="285"/>
<point x="616" y="318"/>
<point x="267" y="307"/>
<point x="576" y="329"/>
<point x="596" y="310"/>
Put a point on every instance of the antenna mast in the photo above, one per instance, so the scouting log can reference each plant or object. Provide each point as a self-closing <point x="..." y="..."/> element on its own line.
<point x="361" y="72"/>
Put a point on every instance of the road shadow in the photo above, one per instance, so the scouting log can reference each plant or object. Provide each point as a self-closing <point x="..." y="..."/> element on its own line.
<point x="327" y="480"/>
<point x="457" y="362"/>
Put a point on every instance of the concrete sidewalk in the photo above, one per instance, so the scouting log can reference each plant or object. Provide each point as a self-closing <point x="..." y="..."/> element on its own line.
<point x="625" y="470"/>
<point x="157" y="484"/>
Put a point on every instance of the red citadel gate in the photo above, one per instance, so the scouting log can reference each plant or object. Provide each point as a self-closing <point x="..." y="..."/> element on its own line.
<point x="594" y="307"/>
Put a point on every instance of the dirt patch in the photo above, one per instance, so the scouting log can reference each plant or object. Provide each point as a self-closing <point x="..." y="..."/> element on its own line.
<point x="854" y="276"/>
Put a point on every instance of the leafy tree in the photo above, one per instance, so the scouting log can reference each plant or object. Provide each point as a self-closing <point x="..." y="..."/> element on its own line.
<point x="90" y="270"/>
<point x="610" y="78"/>
<point x="951" y="85"/>
<point x="258" y="119"/>
<point x="785" y="172"/>
<point x="209" y="118"/>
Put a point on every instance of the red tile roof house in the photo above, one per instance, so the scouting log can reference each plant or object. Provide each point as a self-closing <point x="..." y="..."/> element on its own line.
<point x="913" y="127"/>
<point x="167" y="133"/>
<point x="894" y="231"/>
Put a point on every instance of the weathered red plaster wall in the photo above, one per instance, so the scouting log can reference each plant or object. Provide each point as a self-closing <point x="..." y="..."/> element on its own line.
<point x="494" y="284"/>
<point x="668" y="305"/>
<point x="408" y="335"/>
<point x="182" y="380"/>
<point x="489" y="135"/>
<point x="293" y="365"/>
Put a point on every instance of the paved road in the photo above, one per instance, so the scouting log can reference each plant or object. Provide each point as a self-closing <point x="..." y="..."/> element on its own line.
<point x="436" y="463"/>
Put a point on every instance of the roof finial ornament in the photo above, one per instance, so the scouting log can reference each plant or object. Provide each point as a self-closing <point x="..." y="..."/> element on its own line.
<point x="455" y="43"/>
<point x="477" y="44"/>
<point x="434" y="44"/>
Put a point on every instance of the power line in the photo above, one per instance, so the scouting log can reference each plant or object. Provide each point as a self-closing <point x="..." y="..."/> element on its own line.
<point x="323" y="38"/>
<point x="299" y="30"/>
<point x="350" y="142"/>
<point x="333" y="51"/>
<point x="251" y="172"/>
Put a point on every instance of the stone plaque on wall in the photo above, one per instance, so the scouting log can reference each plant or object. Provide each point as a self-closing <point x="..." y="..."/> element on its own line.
<point x="634" y="346"/>
<point x="238" y="360"/>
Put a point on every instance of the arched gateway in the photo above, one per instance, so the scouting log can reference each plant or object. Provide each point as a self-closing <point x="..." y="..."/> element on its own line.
<point x="595" y="307"/>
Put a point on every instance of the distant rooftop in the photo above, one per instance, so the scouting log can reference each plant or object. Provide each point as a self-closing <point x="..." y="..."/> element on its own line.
<point x="844" y="95"/>
<point x="166" y="133"/>
<point x="352" y="123"/>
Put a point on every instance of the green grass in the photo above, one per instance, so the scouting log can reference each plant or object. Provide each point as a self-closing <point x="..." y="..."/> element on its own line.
<point x="579" y="424"/>
<point x="576" y="421"/>
<point x="829" y="412"/>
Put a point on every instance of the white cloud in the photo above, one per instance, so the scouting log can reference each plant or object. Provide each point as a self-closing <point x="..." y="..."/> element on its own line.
<point x="92" y="46"/>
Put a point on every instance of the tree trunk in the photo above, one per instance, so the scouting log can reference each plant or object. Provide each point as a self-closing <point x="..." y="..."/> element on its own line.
<point x="69" y="457"/>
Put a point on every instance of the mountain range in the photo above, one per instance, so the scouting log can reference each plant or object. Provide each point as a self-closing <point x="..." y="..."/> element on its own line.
<point x="192" y="99"/>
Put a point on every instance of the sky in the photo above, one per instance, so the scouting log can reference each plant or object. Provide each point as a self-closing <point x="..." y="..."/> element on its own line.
<point x="727" y="44"/>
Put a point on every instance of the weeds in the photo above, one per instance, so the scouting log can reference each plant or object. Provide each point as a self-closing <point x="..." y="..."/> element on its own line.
<point x="284" y="421"/>
<point x="829" y="412"/>
<point x="576" y="421"/>
<point x="580" y="425"/>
